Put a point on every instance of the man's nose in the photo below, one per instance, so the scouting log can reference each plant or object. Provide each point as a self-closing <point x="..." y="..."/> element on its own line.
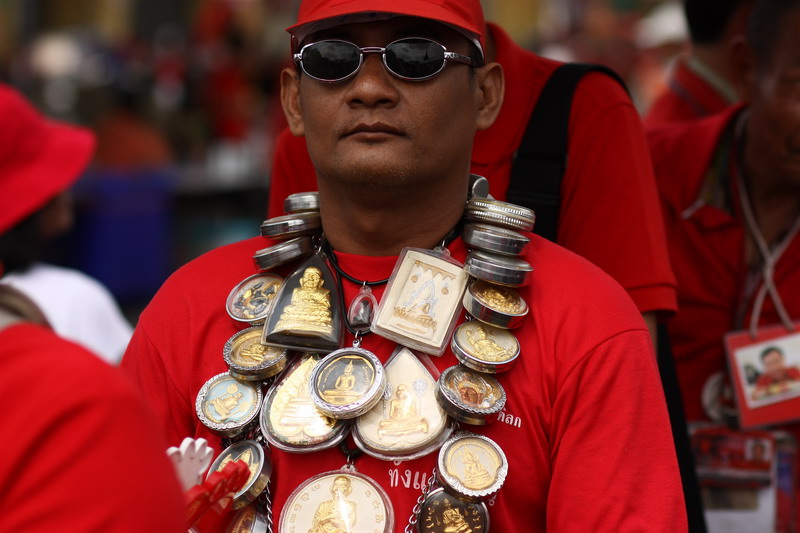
<point x="373" y="84"/>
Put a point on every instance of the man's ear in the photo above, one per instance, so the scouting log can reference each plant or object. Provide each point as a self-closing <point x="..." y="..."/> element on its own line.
<point x="290" y="100"/>
<point x="743" y="68"/>
<point x="490" y="93"/>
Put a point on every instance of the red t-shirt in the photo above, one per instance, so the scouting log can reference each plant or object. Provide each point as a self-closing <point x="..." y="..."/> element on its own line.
<point x="707" y="250"/>
<point x="81" y="451"/>
<point x="609" y="206"/>
<point x="687" y="97"/>
<point x="585" y="428"/>
<point x="788" y="374"/>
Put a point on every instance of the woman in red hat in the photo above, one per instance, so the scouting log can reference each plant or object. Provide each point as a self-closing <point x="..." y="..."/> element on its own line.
<point x="39" y="161"/>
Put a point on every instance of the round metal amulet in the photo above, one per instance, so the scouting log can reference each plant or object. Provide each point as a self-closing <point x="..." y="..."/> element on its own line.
<point x="444" y="513"/>
<point x="469" y="396"/>
<point x="472" y="467"/>
<point x="347" y="383"/>
<point x="226" y="405"/>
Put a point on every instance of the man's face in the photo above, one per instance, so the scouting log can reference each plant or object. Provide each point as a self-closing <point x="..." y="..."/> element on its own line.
<point x="773" y="363"/>
<point x="375" y="130"/>
<point x="774" y="98"/>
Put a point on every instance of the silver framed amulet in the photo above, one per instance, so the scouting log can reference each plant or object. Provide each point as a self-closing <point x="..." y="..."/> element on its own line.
<point x="249" y="360"/>
<point x="347" y="383"/>
<point x="485" y="348"/>
<point x="472" y="467"/>
<point x="338" y="501"/>
<point x="289" y="419"/>
<point x="226" y="405"/>
<point x="251" y="299"/>
<point x="469" y="396"/>
<point x="444" y="513"/>
<point x="495" y="304"/>
<point x="258" y="463"/>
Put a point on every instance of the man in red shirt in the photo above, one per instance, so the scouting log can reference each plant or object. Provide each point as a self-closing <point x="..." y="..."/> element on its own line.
<point x="608" y="166"/>
<point x="713" y="172"/>
<point x="701" y="82"/>
<point x="584" y="428"/>
<point x="777" y="377"/>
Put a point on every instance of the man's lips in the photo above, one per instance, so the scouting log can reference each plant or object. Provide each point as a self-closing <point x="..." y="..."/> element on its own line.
<point x="374" y="129"/>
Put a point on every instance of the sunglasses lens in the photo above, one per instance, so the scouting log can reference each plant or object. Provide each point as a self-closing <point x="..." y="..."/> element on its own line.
<point x="330" y="60"/>
<point x="415" y="58"/>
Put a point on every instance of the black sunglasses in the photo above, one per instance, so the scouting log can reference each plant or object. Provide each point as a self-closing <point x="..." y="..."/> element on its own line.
<point x="412" y="58"/>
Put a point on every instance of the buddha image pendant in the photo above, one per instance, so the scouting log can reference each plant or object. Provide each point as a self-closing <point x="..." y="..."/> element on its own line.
<point x="347" y="383"/>
<point x="340" y="500"/>
<point x="408" y="422"/>
<point x="289" y="419"/>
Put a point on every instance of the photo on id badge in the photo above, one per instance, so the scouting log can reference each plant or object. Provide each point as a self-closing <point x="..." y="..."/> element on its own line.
<point x="769" y="371"/>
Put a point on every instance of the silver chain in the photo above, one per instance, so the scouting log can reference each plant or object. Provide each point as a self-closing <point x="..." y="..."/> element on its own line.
<point x="414" y="518"/>
<point x="266" y="504"/>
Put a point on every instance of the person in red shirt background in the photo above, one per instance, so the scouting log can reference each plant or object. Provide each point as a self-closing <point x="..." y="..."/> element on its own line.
<point x="730" y="192"/>
<point x="701" y="83"/>
<point x="81" y="452"/>
<point x="777" y="377"/>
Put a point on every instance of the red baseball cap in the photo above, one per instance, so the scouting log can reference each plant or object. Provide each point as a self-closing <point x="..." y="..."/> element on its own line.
<point x="39" y="158"/>
<point x="464" y="15"/>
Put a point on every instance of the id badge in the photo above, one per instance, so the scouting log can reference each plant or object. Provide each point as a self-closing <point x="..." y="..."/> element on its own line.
<point x="422" y="300"/>
<point x="765" y="375"/>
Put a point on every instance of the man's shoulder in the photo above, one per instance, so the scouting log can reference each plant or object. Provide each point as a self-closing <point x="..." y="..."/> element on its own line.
<point x="59" y="364"/>
<point x="682" y="152"/>
<point x="564" y="282"/>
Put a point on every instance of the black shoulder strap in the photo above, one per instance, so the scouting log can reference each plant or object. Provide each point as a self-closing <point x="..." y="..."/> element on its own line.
<point x="541" y="158"/>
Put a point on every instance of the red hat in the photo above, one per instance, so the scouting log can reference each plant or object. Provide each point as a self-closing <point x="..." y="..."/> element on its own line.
<point x="464" y="15"/>
<point x="39" y="158"/>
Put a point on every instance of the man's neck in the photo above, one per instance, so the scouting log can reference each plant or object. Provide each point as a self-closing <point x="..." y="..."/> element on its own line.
<point x="381" y="227"/>
<point x="711" y="64"/>
<point x="774" y="199"/>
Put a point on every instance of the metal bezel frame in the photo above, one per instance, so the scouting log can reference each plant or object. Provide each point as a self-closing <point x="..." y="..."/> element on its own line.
<point x="367" y="401"/>
<point x="265" y="370"/>
<point x="227" y="429"/>
<point x="454" y="486"/>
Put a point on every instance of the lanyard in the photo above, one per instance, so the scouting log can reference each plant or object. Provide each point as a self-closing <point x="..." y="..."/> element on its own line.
<point x="770" y="257"/>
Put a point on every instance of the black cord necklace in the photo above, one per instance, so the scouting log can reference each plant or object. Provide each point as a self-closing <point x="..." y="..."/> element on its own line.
<point x="330" y="253"/>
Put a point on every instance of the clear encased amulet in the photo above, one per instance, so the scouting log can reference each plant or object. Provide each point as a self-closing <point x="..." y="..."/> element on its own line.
<point x="496" y="268"/>
<point x="485" y="348"/>
<point x="249" y="519"/>
<point x="469" y="396"/>
<point x="282" y="253"/>
<point x="408" y="422"/>
<point x="339" y="501"/>
<point x="347" y="383"/>
<point x="442" y="512"/>
<point x="301" y="201"/>
<point x="472" y="467"/>
<point x="226" y="405"/>
<point x="294" y="225"/>
<point x="249" y="360"/>
<point x="502" y="214"/>
<point x="258" y="462"/>
<point x="494" y="239"/>
<point x="251" y="299"/>
<point x="289" y="419"/>
<point x="495" y="304"/>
